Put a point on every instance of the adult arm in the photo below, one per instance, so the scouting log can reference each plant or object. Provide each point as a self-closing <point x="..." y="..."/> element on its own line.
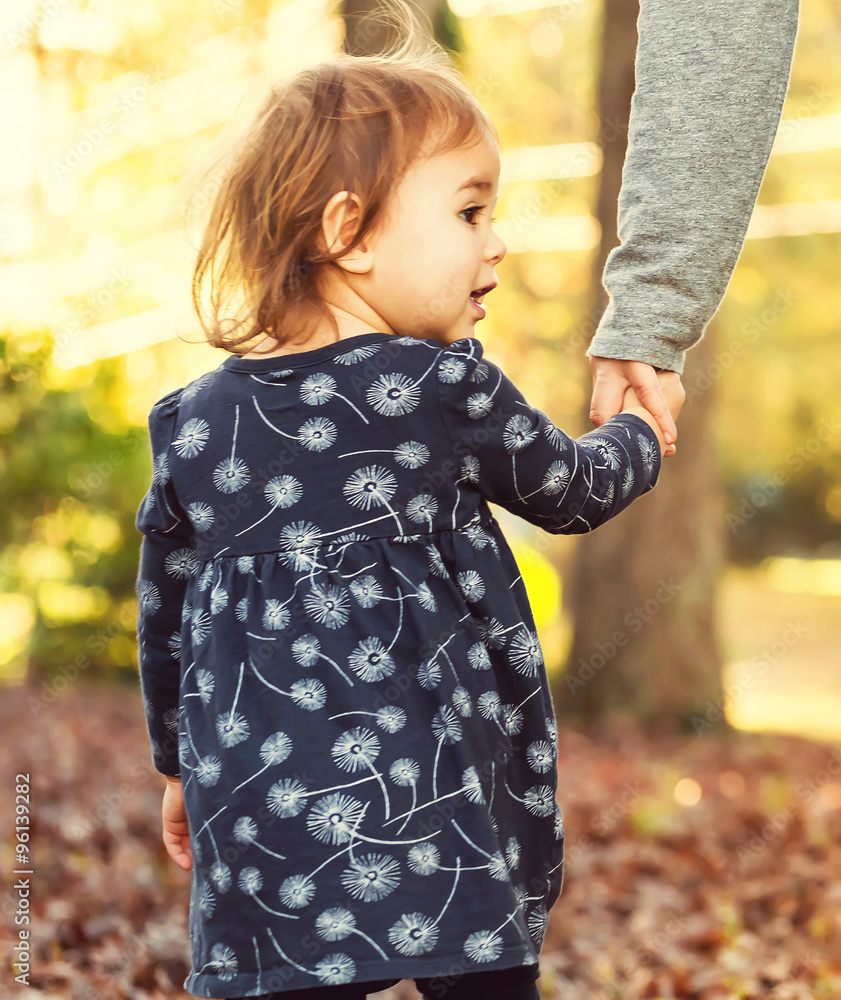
<point x="711" y="77"/>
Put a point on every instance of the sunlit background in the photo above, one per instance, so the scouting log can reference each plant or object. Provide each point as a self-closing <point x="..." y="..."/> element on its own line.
<point x="108" y="107"/>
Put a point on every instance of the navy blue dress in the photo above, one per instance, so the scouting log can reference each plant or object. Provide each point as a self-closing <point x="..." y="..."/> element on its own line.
<point x="338" y="656"/>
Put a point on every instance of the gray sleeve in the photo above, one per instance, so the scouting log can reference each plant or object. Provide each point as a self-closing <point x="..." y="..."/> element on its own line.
<point x="711" y="77"/>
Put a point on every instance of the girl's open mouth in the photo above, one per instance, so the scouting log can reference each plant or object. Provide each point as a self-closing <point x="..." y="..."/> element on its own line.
<point x="476" y="297"/>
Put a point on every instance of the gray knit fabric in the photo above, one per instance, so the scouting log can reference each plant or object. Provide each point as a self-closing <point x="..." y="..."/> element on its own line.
<point x="711" y="77"/>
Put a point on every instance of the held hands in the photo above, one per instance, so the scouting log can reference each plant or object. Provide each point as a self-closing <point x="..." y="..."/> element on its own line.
<point x="674" y="394"/>
<point x="634" y="386"/>
<point x="176" y="833"/>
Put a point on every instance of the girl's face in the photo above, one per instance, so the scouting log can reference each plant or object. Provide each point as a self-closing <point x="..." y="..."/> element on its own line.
<point x="434" y="254"/>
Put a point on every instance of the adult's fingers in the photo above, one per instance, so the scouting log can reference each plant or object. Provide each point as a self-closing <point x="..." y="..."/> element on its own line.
<point x="644" y="379"/>
<point x="609" y="385"/>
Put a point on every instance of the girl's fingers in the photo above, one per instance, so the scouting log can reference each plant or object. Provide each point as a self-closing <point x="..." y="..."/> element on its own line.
<point x="178" y="848"/>
<point x="176" y="830"/>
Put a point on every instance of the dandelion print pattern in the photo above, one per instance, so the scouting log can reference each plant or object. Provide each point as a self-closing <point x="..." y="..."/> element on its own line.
<point x="338" y="656"/>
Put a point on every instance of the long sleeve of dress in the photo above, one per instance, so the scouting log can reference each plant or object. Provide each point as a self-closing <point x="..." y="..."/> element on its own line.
<point x="167" y="560"/>
<point x="517" y="458"/>
<point x="711" y="77"/>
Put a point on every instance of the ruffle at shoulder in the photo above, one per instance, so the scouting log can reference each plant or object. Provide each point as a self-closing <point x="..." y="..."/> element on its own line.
<point x="158" y="509"/>
<point x="166" y="408"/>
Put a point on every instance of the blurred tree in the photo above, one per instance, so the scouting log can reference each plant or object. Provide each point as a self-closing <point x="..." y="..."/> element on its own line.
<point x="642" y="595"/>
<point x="367" y="35"/>
<point x="67" y="507"/>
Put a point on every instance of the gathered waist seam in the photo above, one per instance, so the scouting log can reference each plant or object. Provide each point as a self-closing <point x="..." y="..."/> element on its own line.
<point x="485" y="521"/>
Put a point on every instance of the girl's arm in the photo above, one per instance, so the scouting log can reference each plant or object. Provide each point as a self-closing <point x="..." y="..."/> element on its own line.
<point x="517" y="458"/>
<point x="711" y="77"/>
<point x="167" y="561"/>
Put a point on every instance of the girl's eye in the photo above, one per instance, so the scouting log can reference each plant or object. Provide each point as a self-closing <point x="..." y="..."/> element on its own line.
<point x="474" y="209"/>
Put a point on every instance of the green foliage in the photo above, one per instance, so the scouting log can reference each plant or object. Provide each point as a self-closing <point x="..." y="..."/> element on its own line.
<point x="447" y="28"/>
<point x="68" y="497"/>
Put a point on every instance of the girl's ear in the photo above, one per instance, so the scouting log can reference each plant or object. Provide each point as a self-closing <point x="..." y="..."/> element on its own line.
<point x="339" y="224"/>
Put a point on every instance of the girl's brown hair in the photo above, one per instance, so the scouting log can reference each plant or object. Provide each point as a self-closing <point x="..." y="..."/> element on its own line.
<point x="352" y="123"/>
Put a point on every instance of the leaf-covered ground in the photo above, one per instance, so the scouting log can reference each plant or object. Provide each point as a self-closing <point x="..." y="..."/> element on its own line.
<point x="696" y="867"/>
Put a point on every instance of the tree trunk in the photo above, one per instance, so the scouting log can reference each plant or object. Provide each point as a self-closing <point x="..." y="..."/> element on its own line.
<point x="615" y="89"/>
<point x="643" y="586"/>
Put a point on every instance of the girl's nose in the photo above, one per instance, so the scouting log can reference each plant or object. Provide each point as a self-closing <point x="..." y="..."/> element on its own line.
<point x="496" y="248"/>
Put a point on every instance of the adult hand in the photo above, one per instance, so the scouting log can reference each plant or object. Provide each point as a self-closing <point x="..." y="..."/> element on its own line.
<point x="611" y="377"/>
<point x="675" y="395"/>
<point x="176" y="832"/>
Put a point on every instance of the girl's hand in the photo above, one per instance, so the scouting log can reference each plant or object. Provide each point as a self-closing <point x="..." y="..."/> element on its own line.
<point x="176" y="833"/>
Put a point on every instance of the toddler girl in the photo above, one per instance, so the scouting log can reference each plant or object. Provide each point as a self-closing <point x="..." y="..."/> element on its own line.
<point x="342" y="679"/>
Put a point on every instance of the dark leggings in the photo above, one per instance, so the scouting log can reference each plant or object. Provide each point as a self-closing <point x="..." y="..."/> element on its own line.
<point x="517" y="983"/>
